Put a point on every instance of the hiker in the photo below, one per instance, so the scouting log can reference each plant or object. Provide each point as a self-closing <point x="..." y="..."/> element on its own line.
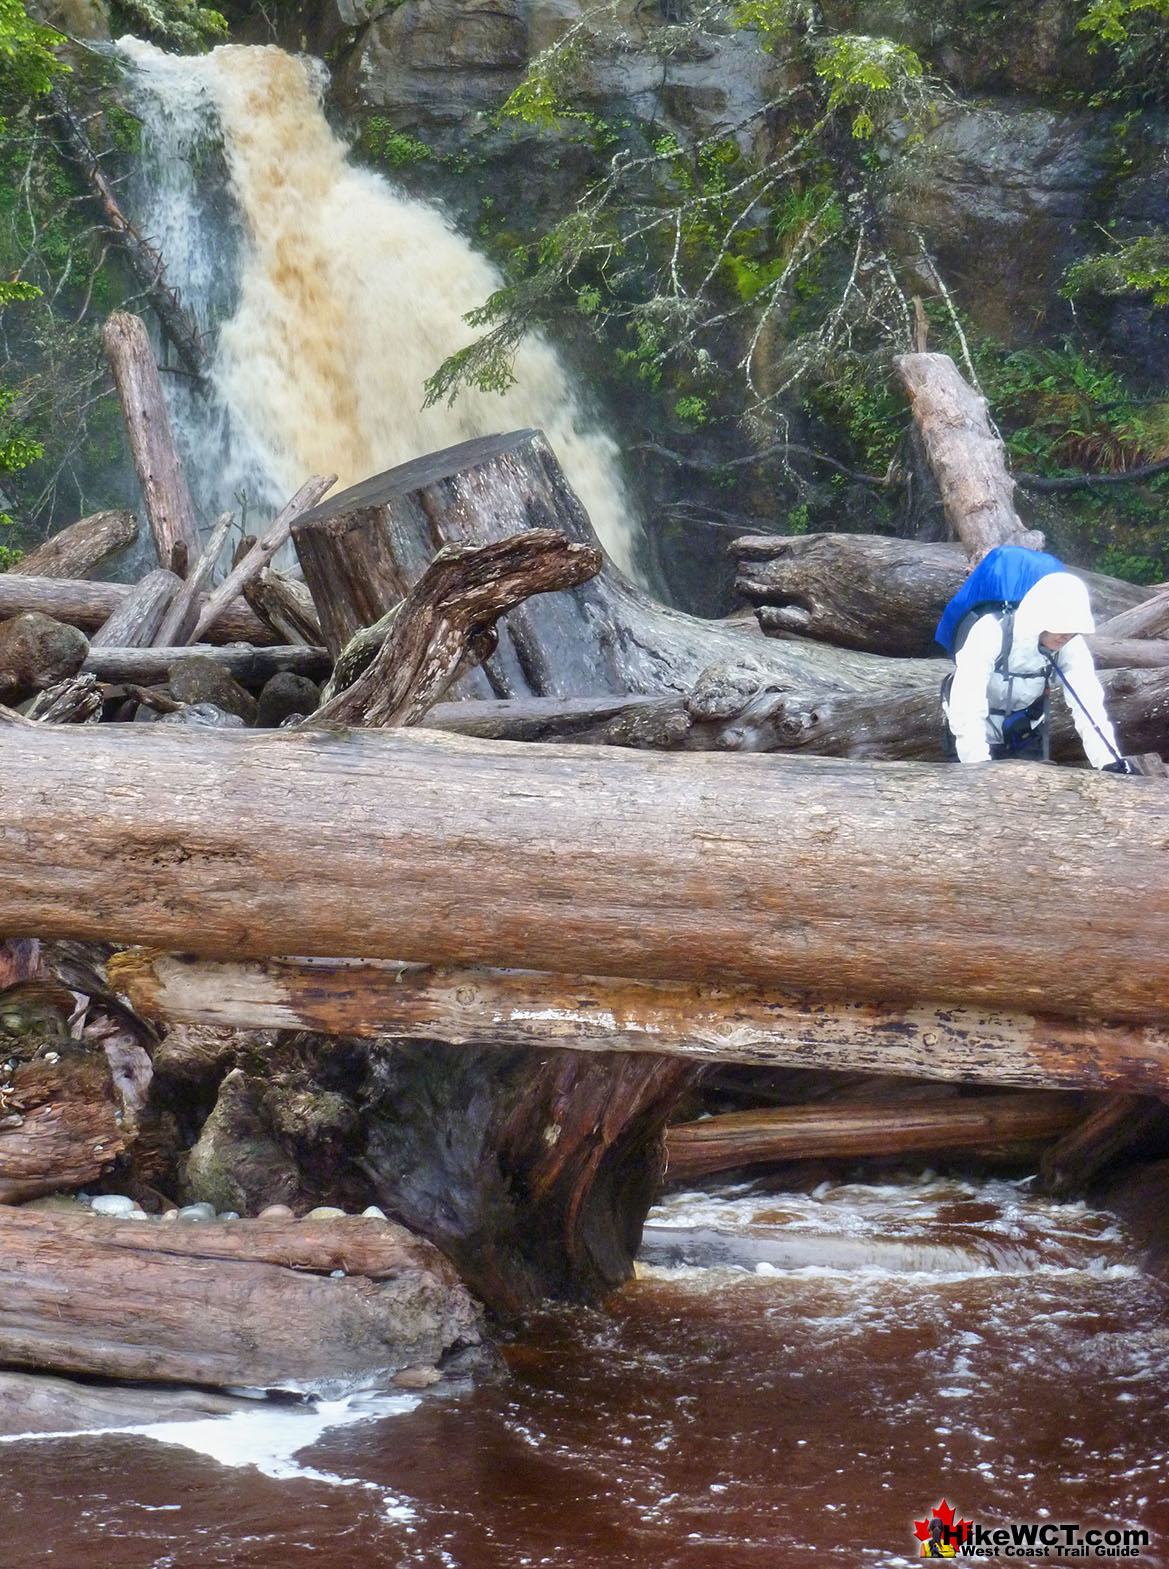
<point x="1017" y="622"/>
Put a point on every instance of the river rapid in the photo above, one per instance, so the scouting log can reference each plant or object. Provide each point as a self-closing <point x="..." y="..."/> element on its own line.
<point x="789" y="1375"/>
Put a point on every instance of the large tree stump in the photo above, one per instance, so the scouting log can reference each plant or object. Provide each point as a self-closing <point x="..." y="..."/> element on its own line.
<point x="363" y="549"/>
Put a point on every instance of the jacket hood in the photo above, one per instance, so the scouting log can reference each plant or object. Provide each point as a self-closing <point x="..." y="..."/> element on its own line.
<point x="1057" y="603"/>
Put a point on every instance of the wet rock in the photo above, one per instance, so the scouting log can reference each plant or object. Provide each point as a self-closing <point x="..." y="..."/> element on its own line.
<point x="201" y="680"/>
<point x="201" y="1213"/>
<point x="284" y="695"/>
<point x="204" y="714"/>
<point x="236" y="1162"/>
<point x="417" y="1377"/>
<point x="36" y="652"/>
<point x="116" y="1205"/>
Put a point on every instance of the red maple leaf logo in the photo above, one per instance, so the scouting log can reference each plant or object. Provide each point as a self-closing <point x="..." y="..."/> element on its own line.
<point x="951" y="1533"/>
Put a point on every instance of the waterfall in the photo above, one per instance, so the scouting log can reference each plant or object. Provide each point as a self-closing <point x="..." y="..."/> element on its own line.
<point x="335" y="296"/>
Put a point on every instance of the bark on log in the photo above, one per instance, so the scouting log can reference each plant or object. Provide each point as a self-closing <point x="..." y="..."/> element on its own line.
<point x="1094" y="1146"/>
<point x="704" y="1023"/>
<point x="858" y="880"/>
<point x="156" y="461"/>
<point x="135" y="623"/>
<point x="250" y="666"/>
<point x="967" y="458"/>
<point x="76" y="550"/>
<point x="90" y="605"/>
<point x="753" y="1138"/>
<point x="286" y="606"/>
<point x="74" y="702"/>
<point x="868" y="592"/>
<point x="178" y="624"/>
<point x="262" y="551"/>
<point x="363" y="549"/>
<point x="453" y="606"/>
<point x="59" y="1119"/>
<point x="1130" y="653"/>
<point x="248" y="1303"/>
<point x="1149" y="619"/>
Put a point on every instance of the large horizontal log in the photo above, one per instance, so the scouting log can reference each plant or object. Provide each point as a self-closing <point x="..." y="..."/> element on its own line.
<point x="707" y="1023"/>
<point x="247" y="1303"/>
<point x="251" y="666"/>
<point x="90" y="605"/>
<point x="752" y="1138"/>
<point x="76" y="550"/>
<point x="857" y="880"/>
<point x="865" y="591"/>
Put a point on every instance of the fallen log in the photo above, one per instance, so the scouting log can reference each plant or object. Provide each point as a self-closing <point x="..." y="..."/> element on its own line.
<point x="363" y="549"/>
<point x="858" y="880"/>
<point x="754" y="1138"/>
<point x="243" y="1303"/>
<point x="262" y="551"/>
<point x="1149" y="619"/>
<point x="76" y="701"/>
<point x="966" y="456"/>
<point x="702" y="1022"/>
<point x="868" y="592"/>
<point x="135" y="623"/>
<point x="286" y="606"/>
<point x="1093" y="1147"/>
<point x="59" y="1118"/>
<point x="248" y="665"/>
<point x="178" y="624"/>
<point x="90" y="605"/>
<point x="453" y="606"/>
<point x="156" y="462"/>
<point x="76" y="550"/>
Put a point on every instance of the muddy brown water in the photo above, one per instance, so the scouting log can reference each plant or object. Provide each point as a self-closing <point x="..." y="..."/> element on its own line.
<point x="742" y="1411"/>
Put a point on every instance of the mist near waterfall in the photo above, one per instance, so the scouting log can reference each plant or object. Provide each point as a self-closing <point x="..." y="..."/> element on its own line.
<point x="344" y="294"/>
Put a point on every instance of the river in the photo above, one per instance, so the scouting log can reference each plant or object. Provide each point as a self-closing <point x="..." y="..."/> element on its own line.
<point x="973" y="1342"/>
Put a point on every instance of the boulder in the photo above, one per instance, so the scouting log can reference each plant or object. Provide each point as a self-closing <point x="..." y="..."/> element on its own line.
<point x="35" y="653"/>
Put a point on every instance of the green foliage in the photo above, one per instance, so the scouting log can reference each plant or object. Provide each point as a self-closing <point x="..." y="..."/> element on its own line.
<point x="692" y="410"/>
<point x="28" y="66"/>
<point x="180" y="24"/>
<point x="1136" y="35"/>
<point x="1139" y="268"/>
<point x="381" y="141"/>
<point x="1115" y="21"/>
<point x="874" y="78"/>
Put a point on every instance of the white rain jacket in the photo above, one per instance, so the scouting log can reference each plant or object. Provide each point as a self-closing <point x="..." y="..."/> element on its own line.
<point x="980" y="698"/>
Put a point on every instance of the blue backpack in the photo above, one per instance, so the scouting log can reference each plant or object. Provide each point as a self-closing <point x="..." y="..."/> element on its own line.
<point x="995" y="587"/>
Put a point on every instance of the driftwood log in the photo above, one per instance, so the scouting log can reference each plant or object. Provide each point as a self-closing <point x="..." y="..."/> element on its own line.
<point x="135" y="623"/>
<point x="704" y="1023"/>
<point x="856" y="880"/>
<point x="156" y="461"/>
<point x="178" y="624"/>
<point x="249" y="665"/>
<point x="60" y="1118"/>
<point x="966" y="456"/>
<point x="249" y="1303"/>
<point x="753" y="1138"/>
<point x="76" y="550"/>
<point x="284" y="604"/>
<point x="90" y="605"/>
<point x="868" y="592"/>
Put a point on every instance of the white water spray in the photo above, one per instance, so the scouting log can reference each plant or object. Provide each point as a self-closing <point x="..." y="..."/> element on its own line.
<point x="349" y="294"/>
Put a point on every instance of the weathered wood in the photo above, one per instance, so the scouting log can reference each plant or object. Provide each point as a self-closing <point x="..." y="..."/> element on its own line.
<point x="90" y="605"/>
<point x="262" y="551"/>
<point x="247" y="1303"/>
<point x="135" y="623"/>
<point x="76" y="550"/>
<point x="967" y="457"/>
<point x="787" y="872"/>
<point x="178" y="624"/>
<point x="1091" y="1148"/>
<point x="76" y="701"/>
<point x="703" y="1022"/>
<point x="361" y="551"/>
<point x="59" y="1119"/>
<point x="869" y="592"/>
<point x="753" y="1138"/>
<point x="1130" y="653"/>
<point x="250" y="666"/>
<point x="285" y="604"/>
<point x="1149" y="619"/>
<point x="455" y="603"/>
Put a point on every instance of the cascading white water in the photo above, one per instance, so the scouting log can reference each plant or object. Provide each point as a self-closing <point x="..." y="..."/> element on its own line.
<point x="337" y="300"/>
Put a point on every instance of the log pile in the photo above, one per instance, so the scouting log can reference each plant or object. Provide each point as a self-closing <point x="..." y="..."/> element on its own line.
<point x="522" y="959"/>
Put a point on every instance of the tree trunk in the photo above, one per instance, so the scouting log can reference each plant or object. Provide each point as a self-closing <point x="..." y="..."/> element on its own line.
<point x="453" y="606"/>
<point x="245" y="1303"/>
<point x="865" y="591"/>
<point x="285" y="605"/>
<point x="1119" y="1124"/>
<point x="753" y="1138"/>
<point x="1149" y="619"/>
<point x="135" y="623"/>
<point x="702" y="1022"/>
<point x="76" y="550"/>
<point x="966" y="456"/>
<point x="59" y="1120"/>
<point x="857" y="880"/>
<point x="156" y="462"/>
<point x="178" y="624"/>
<point x="90" y="605"/>
<point x="362" y="550"/>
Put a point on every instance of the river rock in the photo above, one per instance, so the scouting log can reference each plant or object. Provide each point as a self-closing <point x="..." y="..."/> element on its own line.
<point x="284" y="695"/>
<point x="200" y="680"/>
<point x="36" y="652"/>
<point x="236" y="1162"/>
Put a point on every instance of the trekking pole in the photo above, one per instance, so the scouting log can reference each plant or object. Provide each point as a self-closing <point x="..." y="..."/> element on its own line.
<point x="1052" y="666"/>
